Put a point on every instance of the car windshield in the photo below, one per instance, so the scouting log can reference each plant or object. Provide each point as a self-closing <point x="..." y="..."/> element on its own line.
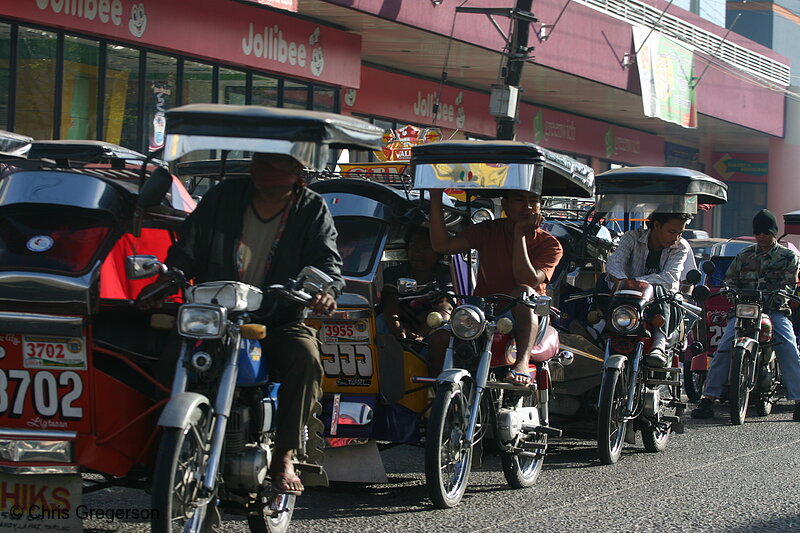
<point x="358" y="242"/>
<point x="721" y="264"/>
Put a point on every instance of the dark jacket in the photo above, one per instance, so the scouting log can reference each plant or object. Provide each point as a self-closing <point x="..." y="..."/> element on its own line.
<point x="206" y="248"/>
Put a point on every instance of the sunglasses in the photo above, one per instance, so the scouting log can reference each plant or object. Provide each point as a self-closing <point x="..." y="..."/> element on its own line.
<point x="762" y="233"/>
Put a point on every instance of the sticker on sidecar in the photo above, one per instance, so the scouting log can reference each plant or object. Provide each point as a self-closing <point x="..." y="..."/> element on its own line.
<point x="53" y="352"/>
<point x="354" y="331"/>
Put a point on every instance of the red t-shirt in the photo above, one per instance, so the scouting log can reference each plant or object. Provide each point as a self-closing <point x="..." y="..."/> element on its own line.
<point x="493" y="239"/>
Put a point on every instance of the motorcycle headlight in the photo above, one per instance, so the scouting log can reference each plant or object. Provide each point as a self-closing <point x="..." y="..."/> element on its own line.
<point x="467" y="322"/>
<point x="747" y="311"/>
<point x="625" y="318"/>
<point x="201" y="321"/>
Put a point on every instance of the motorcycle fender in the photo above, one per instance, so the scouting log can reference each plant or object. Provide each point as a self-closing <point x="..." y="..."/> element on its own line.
<point x="750" y="345"/>
<point x="179" y="409"/>
<point x="452" y="375"/>
<point x="615" y="361"/>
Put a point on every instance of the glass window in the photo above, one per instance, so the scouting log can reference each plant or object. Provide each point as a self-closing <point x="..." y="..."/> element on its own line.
<point x="295" y="95"/>
<point x="265" y="91"/>
<point x="35" y="92"/>
<point x="158" y="97"/>
<point x="79" y="95"/>
<point x="232" y="87"/>
<point x="5" y="73"/>
<point x="358" y="242"/>
<point x="197" y="79"/>
<point x="325" y="99"/>
<point x="122" y="97"/>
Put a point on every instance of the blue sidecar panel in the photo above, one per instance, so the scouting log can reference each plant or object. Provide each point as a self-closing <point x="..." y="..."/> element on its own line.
<point x="252" y="366"/>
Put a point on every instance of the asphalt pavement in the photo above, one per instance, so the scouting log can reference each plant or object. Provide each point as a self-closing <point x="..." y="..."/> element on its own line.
<point x="713" y="478"/>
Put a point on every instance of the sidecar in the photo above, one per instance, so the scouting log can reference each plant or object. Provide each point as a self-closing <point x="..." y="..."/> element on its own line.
<point x="78" y="362"/>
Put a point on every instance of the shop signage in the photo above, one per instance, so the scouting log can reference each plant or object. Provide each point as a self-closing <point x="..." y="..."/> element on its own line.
<point x="230" y="32"/>
<point x="578" y="135"/>
<point x="403" y="98"/>
<point x="752" y="168"/>
<point x="677" y="155"/>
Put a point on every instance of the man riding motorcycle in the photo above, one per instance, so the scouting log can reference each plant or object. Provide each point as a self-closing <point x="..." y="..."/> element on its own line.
<point x="263" y="231"/>
<point x="656" y="254"/>
<point x="516" y="257"/>
<point x="765" y="265"/>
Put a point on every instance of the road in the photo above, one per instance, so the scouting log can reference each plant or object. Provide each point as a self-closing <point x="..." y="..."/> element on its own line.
<point x="713" y="478"/>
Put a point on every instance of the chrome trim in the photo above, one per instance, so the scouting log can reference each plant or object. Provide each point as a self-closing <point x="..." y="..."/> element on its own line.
<point x="37" y="434"/>
<point x="43" y="288"/>
<point x="41" y="325"/>
<point x="48" y="469"/>
<point x="56" y="451"/>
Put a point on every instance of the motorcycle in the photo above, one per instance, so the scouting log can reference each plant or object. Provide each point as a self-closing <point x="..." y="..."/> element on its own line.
<point x="754" y="372"/>
<point x="218" y="426"/>
<point x="471" y="404"/>
<point x="634" y="396"/>
<point x="70" y="334"/>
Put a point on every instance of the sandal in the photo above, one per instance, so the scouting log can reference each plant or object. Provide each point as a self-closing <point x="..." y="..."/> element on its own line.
<point x="283" y="483"/>
<point x="514" y="378"/>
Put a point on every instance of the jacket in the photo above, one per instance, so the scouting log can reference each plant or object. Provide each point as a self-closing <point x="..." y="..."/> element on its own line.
<point x="209" y="236"/>
<point x="629" y="258"/>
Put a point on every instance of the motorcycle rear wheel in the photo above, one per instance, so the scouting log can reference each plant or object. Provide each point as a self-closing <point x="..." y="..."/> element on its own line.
<point x="181" y="454"/>
<point x="448" y="459"/>
<point x="693" y="382"/>
<point x="738" y="386"/>
<point x="611" y="408"/>
<point x="765" y="398"/>
<point x="522" y="471"/>
<point x="655" y="438"/>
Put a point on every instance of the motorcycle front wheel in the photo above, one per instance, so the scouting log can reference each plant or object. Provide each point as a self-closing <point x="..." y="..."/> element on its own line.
<point x="610" y="416"/>
<point x="176" y="483"/>
<point x="448" y="457"/>
<point x="739" y="385"/>
<point x="522" y="471"/>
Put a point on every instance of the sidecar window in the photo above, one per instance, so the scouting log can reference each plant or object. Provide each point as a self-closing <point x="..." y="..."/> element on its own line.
<point x="358" y="242"/>
<point x="57" y="241"/>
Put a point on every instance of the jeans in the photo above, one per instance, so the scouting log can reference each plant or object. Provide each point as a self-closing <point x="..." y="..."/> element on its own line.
<point x="786" y="351"/>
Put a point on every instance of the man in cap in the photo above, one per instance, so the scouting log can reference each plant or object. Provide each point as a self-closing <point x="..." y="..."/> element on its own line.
<point x="263" y="231"/>
<point x="766" y="265"/>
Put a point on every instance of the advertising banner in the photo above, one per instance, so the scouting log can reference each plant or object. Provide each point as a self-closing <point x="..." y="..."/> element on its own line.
<point x="750" y="168"/>
<point x="666" y="74"/>
<point x="233" y="32"/>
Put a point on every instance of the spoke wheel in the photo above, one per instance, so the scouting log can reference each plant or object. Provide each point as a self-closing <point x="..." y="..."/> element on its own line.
<point x="180" y="462"/>
<point x="611" y="410"/>
<point x="522" y="471"/>
<point x="767" y="397"/>
<point x="264" y="522"/>
<point x="448" y="458"/>
<point x="739" y="385"/>
<point x="693" y="382"/>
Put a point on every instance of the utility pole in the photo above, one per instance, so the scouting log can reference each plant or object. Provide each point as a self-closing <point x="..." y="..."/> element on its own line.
<point x="505" y="97"/>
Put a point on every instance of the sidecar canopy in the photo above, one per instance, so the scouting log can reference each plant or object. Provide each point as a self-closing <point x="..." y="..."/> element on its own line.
<point x="83" y="151"/>
<point x="791" y="223"/>
<point x="650" y="189"/>
<point x="489" y="167"/>
<point x="14" y="144"/>
<point x="305" y="135"/>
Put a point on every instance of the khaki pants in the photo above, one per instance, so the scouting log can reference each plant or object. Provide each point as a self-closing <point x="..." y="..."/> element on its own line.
<point x="292" y="352"/>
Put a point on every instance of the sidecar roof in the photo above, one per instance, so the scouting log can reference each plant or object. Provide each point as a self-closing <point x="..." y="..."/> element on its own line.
<point x="305" y="135"/>
<point x="14" y="144"/>
<point x="662" y="181"/>
<point x="791" y="223"/>
<point x="86" y="151"/>
<point x="212" y="168"/>
<point x="491" y="167"/>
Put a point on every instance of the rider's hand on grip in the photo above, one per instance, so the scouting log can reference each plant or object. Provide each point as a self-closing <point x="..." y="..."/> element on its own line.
<point x="323" y="303"/>
<point x="152" y="295"/>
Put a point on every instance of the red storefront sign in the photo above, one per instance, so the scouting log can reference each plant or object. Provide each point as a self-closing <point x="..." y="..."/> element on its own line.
<point x="570" y="133"/>
<point x="407" y="99"/>
<point x="219" y="30"/>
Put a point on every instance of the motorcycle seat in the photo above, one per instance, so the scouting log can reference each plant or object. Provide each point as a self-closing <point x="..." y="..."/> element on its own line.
<point x="548" y="348"/>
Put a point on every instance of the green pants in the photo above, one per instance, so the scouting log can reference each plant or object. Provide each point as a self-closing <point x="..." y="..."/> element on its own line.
<point x="292" y="352"/>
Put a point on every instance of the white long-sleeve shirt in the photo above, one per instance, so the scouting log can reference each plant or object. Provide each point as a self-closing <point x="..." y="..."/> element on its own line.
<point x="629" y="258"/>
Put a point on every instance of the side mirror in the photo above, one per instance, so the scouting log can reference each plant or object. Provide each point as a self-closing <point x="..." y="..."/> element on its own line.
<point x="701" y="293"/>
<point x="542" y="307"/>
<point x="154" y="189"/>
<point x="708" y="267"/>
<point x="314" y="280"/>
<point x="143" y="266"/>
<point x="693" y="277"/>
<point x="406" y="286"/>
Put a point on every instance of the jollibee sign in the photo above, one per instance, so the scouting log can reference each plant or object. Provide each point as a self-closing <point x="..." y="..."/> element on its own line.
<point x="235" y="33"/>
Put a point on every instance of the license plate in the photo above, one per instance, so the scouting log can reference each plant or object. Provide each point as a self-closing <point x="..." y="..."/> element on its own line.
<point x="40" y="502"/>
<point x="349" y="331"/>
<point x="53" y="352"/>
